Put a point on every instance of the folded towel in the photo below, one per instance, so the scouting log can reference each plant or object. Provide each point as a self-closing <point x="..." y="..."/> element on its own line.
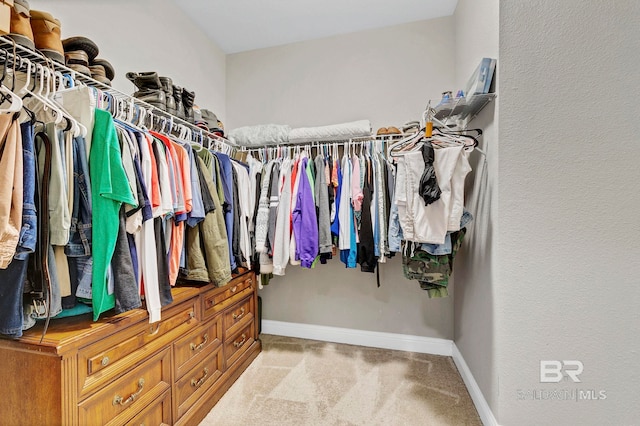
<point x="260" y="135"/>
<point x="334" y="132"/>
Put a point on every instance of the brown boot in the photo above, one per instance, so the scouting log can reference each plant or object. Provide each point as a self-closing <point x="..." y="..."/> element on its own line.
<point x="46" y="33"/>
<point x="20" y="28"/>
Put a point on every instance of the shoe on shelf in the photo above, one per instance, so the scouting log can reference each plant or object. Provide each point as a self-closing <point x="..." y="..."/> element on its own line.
<point x="80" y="68"/>
<point x="109" y="71"/>
<point x="82" y="44"/>
<point x="46" y="35"/>
<point x="20" y="25"/>
<point x="99" y="74"/>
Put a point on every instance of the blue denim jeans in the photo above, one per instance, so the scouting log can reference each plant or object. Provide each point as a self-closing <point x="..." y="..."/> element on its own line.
<point x="447" y="246"/>
<point x="12" y="278"/>
<point x="29" y="231"/>
<point x="11" y="285"/>
<point x="78" y="249"/>
<point x="395" y="230"/>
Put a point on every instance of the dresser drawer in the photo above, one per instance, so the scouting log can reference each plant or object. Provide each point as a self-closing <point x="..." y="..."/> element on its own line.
<point x="235" y="346"/>
<point x="192" y="348"/>
<point x="129" y="394"/>
<point x="191" y="387"/>
<point x="219" y="298"/>
<point x="156" y="414"/>
<point x="238" y="316"/>
<point x="107" y="359"/>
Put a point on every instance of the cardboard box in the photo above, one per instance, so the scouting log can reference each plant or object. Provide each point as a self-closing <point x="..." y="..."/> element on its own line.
<point x="5" y="16"/>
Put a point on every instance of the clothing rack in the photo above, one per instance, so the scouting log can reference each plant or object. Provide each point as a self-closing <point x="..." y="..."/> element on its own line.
<point x="159" y="120"/>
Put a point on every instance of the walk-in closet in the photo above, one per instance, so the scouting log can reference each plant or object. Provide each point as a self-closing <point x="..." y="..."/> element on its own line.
<point x="318" y="213"/>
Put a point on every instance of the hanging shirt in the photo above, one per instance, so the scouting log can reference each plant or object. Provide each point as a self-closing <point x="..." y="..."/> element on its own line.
<point x="345" y="212"/>
<point x="110" y="188"/>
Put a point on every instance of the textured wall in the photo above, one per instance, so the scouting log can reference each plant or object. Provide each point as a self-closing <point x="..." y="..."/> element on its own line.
<point x="386" y="76"/>
<point x="568" y="204"/>
<point x="476" y="23"/>
<point x="147" y="35"/>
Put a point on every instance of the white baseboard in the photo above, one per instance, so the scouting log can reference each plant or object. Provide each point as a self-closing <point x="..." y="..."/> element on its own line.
<point x="374" y="339"/>
<point x="401" y="342"/>
<point x="482" y="406"/>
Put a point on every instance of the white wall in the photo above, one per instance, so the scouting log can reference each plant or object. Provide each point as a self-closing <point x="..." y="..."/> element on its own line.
<point x="569" y="251"/>
<point x="147" y="35"/>
<point x="476" y="23"/>
<point x="386" y="76"/>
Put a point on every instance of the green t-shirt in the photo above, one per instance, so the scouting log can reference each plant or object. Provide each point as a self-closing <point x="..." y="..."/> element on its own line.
<point x="110" y="189"/>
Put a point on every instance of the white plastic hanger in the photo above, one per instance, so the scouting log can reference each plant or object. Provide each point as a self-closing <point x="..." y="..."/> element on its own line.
<point x="16" y="101"/>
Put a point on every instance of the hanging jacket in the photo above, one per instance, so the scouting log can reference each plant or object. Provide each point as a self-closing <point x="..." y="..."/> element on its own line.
<point x="305" y="222"/>
<point x="322" y="204"/>
<point x="283" y="220"/>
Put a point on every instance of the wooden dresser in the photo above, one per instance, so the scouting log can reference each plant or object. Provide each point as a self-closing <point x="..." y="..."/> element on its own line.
<point x="121" y="370"/>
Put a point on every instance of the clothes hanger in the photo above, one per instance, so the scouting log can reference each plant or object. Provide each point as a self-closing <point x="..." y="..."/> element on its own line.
<point x="47" y="104"/>
<point x="8" y="95"/>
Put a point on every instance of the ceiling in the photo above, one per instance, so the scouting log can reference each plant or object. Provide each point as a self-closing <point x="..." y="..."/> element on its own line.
<point x="240" y="25"/>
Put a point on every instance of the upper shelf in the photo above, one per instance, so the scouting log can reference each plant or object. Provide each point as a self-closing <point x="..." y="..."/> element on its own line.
<point x="458" y="109"/>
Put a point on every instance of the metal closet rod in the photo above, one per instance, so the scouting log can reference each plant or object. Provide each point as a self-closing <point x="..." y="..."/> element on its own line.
<point x="8" y="46"/>
<point x="358" y="139"/>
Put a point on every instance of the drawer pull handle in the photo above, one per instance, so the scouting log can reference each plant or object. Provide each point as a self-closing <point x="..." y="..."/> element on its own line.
<point x="234" y="289"/>
<point x="197" y="383"/>
<point x="240" y="315"/>
<point x="195" y="347"/>
<point x="118" y="400"/>
<point x="241" y="342"/>
<point x="192" y="314"/>
<point x="105" y="361"/>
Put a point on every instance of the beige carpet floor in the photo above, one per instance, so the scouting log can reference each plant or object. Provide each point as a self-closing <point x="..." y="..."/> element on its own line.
<point x="306" y="382"/>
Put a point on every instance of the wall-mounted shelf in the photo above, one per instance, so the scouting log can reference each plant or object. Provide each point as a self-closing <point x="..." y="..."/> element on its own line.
<point x="8" y="46"/>
<point x="460" y="109"/>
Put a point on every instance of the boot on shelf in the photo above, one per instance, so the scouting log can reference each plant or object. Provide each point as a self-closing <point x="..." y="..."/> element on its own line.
<point x="149" y="88"/>
<point x="20" y="25"/>
<point x="177" y="97"/>
<point x="46" y="35"/>
<point x="188" y="97"/>
<point x="167" y="87"/>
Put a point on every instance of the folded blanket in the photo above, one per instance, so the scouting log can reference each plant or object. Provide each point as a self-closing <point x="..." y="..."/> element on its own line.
<point x="334" y="132"/>
<point x="260" y="135"/>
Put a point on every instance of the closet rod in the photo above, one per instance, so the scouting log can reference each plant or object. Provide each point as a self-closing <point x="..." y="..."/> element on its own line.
<point x="7" y="47"/>
<point x="358" y="139"/>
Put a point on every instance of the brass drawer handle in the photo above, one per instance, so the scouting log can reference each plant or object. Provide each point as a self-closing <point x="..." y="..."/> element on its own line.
<point x="241" y="342"/>
<point x="195" y="347"/>
<point x="197" y="383"/>
<point x="118" y="400"/>
<point x="238" y="316"/>
<point x="105" y="361"/>
<point x="234" y="289"/>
